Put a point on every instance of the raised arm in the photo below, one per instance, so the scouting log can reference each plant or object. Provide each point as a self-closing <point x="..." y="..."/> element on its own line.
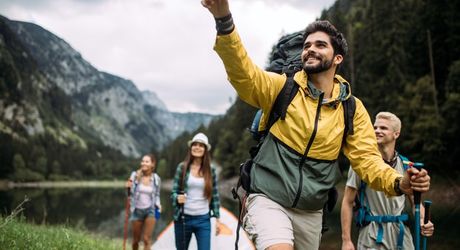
<point x="346" y="217"/>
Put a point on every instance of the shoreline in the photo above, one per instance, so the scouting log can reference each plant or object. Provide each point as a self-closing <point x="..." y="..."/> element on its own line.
<point x="5" y="185"/>
<point x="442" y="191"/>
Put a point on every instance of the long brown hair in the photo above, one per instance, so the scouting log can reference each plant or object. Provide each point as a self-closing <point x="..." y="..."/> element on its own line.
<point x="205" y="169"/>
<point x="139" y="172"/>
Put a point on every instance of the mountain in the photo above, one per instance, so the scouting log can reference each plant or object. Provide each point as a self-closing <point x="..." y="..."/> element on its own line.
<point x="47" y="89"/>
<point x="176" y="122"/>
<point x="153" y="100"/>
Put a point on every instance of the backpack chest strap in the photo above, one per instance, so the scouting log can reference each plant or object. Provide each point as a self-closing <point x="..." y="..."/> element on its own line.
<point x="380" y="219"/>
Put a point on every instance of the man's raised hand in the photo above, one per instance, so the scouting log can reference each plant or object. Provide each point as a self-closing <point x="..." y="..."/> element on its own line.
<point x="218" y="8"/>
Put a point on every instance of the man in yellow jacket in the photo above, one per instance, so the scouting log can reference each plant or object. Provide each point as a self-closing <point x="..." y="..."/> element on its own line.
<point x="297" y="163"/>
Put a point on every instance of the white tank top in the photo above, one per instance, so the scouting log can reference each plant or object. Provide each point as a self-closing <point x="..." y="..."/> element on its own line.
<point x="196" y="203"/>
<point x="145" y="196"/>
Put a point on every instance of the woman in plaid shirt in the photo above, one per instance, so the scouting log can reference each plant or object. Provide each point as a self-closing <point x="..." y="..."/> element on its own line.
<point x="195" y="196"/>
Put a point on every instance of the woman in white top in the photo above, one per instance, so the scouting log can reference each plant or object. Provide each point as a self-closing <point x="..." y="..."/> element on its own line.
<point x="195" y="196"/>
<point x="145" y="206"/>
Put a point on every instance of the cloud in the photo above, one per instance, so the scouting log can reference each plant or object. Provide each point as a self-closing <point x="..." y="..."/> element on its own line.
<point x="165" y="45"/>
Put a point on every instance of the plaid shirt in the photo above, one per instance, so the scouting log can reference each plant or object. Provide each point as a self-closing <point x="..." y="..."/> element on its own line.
<point x="213" y="205"/>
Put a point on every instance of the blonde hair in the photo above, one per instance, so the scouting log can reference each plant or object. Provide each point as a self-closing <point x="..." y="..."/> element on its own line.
<point x="394" y="120"/>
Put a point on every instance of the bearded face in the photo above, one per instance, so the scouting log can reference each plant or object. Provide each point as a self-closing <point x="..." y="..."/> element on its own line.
<point x="314" y="63"/>
<point x="318" y="53"/>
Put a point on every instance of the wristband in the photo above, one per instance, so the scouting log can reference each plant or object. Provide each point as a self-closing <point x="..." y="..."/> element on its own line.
<point x="396" y="186"/>
<point x="224" y="25"/>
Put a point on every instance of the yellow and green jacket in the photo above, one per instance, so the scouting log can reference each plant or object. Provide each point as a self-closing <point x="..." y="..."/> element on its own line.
<point x="313" y="127"/>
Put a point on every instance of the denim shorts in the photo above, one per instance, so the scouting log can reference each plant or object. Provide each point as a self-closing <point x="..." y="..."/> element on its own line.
<point x="142" y="214"/>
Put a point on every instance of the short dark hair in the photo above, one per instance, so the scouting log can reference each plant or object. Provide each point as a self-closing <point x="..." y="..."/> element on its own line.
<point x="337" y="39"/>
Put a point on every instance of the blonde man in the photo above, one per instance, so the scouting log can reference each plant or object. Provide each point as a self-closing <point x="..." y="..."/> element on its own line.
<point x="390" y="233"/>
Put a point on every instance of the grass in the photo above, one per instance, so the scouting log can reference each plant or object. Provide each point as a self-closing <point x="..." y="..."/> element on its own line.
<point x="15" y="233"/>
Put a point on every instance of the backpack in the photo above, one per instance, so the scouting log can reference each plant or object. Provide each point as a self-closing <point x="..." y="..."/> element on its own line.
<point x="364" y="217"/>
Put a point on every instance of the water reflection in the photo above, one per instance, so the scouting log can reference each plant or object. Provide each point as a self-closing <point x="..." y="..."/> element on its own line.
<point x="99" y="210"/>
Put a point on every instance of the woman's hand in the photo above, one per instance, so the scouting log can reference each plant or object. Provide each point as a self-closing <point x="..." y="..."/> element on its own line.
<point x="217" y="227"/>
<point x="181" y="198"/>
<point x="129" y="184"/>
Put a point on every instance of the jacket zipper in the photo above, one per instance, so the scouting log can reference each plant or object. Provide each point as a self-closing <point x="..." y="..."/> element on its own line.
<point x="310" y="142"/>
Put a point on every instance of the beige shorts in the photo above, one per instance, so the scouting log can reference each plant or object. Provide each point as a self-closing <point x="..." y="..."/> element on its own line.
<point x="268" y="223"/>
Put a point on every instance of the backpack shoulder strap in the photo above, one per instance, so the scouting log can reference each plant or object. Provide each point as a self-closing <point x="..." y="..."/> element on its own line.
<point x="156" y="180"/>
<point x="284" y="98"/>
<point x="362" y="207"/>
<point x="349" y="108"/>
<point x="362" y="189"/>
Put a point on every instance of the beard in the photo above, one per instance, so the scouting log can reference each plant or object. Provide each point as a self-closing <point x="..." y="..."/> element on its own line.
<point x="322" y="66"/>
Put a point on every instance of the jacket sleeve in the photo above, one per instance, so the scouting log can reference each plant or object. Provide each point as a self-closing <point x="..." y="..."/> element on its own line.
<point x="362" y="151"/>
<point x="254" y="86"/>
<point x="215" y="200"/>
<point x="132" y="178"/>
<point x="176" y="185"/>
<point x="158" y="191"/>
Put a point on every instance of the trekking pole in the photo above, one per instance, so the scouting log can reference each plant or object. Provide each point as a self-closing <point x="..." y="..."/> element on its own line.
<point x="182" y="217"/>
<point x="125" y="229"/>
<point x="427" y="205"/>
<point x="417" y="197"/>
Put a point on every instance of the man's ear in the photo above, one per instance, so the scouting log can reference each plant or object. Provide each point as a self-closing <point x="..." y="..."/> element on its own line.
<point x="338" y="59"/>
<point x="397" y="133"/>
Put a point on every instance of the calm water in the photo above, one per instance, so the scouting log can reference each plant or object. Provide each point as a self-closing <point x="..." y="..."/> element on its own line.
<point x="102" y="210"/>
<point x="99" y="210"/>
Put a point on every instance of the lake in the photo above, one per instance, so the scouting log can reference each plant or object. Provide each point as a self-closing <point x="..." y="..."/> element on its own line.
<point x="102" y="211"/>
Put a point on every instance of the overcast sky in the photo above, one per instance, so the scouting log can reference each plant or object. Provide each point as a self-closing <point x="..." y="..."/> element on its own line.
<point x="166" y="45"/>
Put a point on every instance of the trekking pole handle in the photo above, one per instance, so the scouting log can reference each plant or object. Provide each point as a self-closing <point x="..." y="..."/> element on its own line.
<point x="418" y="165"/>
<point x="128" y="189"/>
<point x="427" y="205"/>
<point x="182" y="214"/>
<point x="417" y="195"/>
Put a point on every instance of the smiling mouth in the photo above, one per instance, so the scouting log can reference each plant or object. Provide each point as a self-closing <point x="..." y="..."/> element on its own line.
<point x="312" y="58"/>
